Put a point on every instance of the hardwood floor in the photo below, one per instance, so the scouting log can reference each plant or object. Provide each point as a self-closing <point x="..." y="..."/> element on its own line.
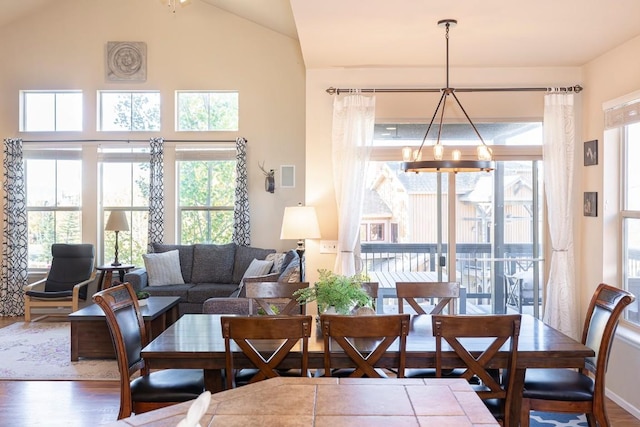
<point x="95" y="403"/>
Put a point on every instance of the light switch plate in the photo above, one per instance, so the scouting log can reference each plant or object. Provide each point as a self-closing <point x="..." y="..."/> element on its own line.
<point x="328" y="246"/>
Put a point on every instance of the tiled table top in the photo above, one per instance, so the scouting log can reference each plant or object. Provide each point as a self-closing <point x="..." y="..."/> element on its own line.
<point x="335" y="402"/>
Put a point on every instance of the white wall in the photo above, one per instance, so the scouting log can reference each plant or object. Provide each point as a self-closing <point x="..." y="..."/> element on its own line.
<point x="62" y="46"/>
<point x="610" y="76"/>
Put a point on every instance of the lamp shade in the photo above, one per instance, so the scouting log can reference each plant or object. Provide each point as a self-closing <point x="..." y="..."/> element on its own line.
<point x="117" y="221"/>
<point x="300" y="222"/>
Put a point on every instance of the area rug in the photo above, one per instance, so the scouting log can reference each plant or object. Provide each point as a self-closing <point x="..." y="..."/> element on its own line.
<point x="42" y="351"/>
<point x="546" y="419"/>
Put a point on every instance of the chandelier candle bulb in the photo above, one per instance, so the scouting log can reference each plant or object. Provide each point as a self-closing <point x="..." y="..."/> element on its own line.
<point x="438" y="151"/>
<point x="456" y="155"/>
<point x="417" y="155"/>
<point x="406" y="154"/>
<point x="483" y="153"/>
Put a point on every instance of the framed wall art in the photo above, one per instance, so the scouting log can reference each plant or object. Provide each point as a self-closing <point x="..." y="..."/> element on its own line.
<point x="590" y="204"/>
<point x="126" y="61"/>
<point x="591" y="153"/>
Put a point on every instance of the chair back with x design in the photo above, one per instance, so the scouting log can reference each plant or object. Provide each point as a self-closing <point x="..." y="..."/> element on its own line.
<point x="365" y="339"/>
<point x="498" y="330"/>
<point x="445" y="292"/>
<point x="266" y="341"/>
<point x="269" y="295"/>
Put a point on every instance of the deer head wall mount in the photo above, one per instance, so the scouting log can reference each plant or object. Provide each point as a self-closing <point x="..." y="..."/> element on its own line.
<point x="269" y="180"/>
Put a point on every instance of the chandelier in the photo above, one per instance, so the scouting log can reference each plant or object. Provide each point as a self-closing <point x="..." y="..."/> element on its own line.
<point x="173" y="3"/>
<point x="412" y="159"/>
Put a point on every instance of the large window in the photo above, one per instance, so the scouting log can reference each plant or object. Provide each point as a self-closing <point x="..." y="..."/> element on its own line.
<point x="206" y="111"/>
<point x="129" y="111"/>
<point x="631" y="216"/>
<point x="206" y="196"/>
<point x="54" y="202"/>
<point x="50" y="111"/>
<point x="124" y="185"/>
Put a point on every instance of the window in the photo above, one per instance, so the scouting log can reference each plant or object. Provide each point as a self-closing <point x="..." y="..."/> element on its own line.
<point x="206" y="195"/>
<point x="54" y="202"/>
<point x="49" y="111"/>
<point x="129" y="111"/>
<point x="124" y="185"/>
<point x="206" y="111"/>
<point x="376" y="232"/>
<point x="631" y="216"/>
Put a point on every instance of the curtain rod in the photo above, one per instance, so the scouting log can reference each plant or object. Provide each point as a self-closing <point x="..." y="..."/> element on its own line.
<point x="576" y="89"/>
<point x="127" y="140"/>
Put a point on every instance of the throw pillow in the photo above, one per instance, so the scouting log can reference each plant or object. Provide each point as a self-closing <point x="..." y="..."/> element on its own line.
<point x="213" y="263"/>
<point x="163" y="268"/>
<point x="185" y="253"/>
<point x="258" y="267"/>
<point x="243" y="257"/>
<point x="289" y="258"/>
<point x="277" y="259"/>
<point x="292" y="273"/>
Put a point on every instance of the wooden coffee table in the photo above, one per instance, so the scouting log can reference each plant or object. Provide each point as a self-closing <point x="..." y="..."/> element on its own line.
<point x="90" y="335"/>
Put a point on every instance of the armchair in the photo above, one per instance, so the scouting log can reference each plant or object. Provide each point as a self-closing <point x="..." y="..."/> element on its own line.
<point x="71" y="272"/>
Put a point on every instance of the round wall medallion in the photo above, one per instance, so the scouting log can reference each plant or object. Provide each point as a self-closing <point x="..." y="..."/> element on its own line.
<point x="126" y="61"/>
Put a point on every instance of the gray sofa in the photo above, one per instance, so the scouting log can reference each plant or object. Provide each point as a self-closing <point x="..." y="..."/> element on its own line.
<point x="209" y="271"/>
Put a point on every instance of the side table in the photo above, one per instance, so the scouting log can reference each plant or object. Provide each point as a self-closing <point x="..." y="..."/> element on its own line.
<point x="106" y="274"/>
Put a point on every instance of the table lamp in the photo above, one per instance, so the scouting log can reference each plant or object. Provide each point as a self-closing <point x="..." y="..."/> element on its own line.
<point x="300" y="222"/>
<point x="117" y="222"/>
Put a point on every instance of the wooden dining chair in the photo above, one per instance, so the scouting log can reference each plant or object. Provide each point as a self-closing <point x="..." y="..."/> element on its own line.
<point x="257" y="336"/>
<point x="497" y="393"/>
<point x="581" y="391"/>
<point x="149" y="390"/>
<point x="275" y="297"/>
<point x="371" y="288"/>
<point x="444" y="292"/>
<point x="365" y="339"/>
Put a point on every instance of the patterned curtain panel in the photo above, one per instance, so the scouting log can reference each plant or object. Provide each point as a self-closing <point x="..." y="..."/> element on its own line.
<point x="241" y="223"/>
<point x="14" y="245"/>
<point x="156" y="193"/>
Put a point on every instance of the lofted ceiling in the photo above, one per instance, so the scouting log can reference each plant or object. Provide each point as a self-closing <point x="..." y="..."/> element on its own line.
<point x="404" y="33"/>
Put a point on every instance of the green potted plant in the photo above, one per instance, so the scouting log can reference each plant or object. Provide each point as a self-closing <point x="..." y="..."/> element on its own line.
<point x="336" y="292"/>
<point x="142" y="297"/>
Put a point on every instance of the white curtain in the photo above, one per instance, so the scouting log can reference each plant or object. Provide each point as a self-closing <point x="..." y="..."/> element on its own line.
<point x="560" y="303"/>
<point x="352" y="138"/>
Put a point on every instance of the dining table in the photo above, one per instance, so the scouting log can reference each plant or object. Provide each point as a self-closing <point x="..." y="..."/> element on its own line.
<point x="329" y="402"/>
<point x="195" y="341"/>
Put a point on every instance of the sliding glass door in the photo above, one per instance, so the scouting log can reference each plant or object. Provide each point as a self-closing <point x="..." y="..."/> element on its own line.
<point x="492" y="220"/>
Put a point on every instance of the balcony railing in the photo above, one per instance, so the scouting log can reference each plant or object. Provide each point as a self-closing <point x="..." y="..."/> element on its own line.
<point x="480" y="268"/>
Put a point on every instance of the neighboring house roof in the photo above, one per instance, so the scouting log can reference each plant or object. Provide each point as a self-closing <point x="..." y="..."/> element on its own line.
<point x="374" y="205"/>
<point x="483" y="190"/>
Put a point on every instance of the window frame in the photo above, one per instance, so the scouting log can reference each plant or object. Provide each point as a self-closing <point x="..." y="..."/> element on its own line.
<point x="139" y="154"/>
<point x="24" y="114"/>
<point x="219" y="152"/>
<point x="208" y="93"/>
<point x="35" y="153"/>
<point x="626" y="216"/>
<point x="100" y="110"/>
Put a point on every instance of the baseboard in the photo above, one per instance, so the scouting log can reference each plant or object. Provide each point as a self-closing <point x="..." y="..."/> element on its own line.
<point x="623" y="403"/>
